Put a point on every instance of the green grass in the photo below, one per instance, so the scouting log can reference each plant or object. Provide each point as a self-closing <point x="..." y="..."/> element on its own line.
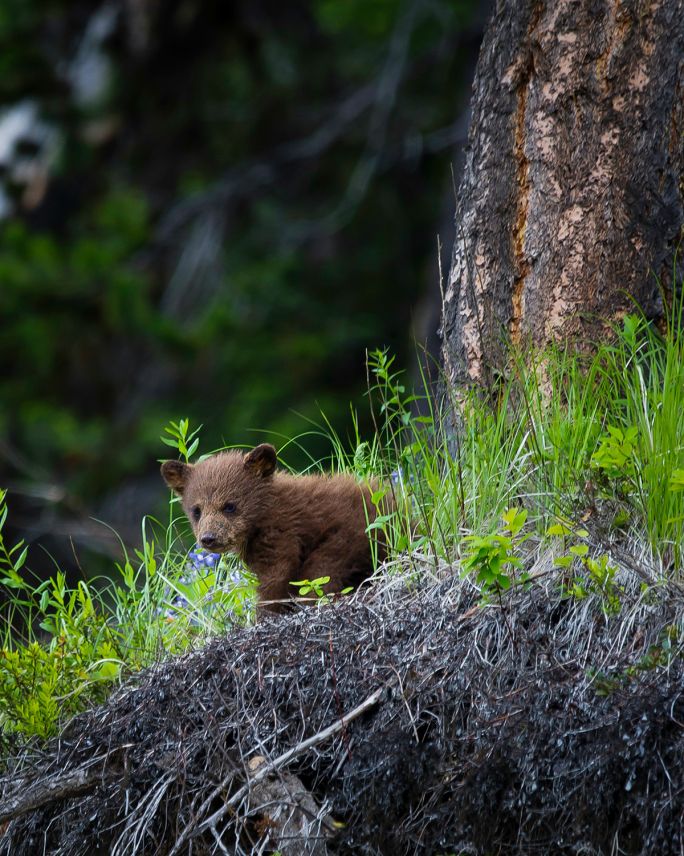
<point x="649" y="399"/>
<point x="566" y="436"/>
<point x="564" y="444"/>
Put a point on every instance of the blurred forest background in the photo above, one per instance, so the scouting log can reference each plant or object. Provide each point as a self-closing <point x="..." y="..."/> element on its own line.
<point x="210" y="209"/>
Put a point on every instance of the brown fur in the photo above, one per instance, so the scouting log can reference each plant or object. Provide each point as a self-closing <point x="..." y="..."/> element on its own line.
<point x="283" y="527"/>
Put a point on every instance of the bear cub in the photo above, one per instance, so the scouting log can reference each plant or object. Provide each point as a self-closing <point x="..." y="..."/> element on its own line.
<point x="283" y="527"/>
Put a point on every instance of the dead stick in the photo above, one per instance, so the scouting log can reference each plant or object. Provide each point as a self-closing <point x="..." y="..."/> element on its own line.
<point x="57" y="787"/>
<point x="266" y="769"/>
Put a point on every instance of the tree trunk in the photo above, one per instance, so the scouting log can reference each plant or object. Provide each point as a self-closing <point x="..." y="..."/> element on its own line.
<point x="571" y="203"/>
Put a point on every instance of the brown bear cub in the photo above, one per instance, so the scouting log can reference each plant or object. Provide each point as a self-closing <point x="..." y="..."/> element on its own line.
<point x="284" y="527"/>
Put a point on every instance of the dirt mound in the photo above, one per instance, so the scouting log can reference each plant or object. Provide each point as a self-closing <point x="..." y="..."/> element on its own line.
<point x="407" y="719"/>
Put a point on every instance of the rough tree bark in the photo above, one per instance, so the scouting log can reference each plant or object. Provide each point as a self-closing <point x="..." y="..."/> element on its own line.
<point x="572" y="196"/>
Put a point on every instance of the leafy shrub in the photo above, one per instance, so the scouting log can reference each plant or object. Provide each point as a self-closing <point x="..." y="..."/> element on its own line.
<point x="492" y="558"/>
<point x="65" y="648"/>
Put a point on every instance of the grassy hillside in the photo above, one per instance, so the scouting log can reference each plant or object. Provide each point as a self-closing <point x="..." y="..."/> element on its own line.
<point x="576" y="458"/>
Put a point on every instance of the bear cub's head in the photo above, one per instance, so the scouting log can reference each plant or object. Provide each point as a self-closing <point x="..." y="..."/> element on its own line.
<point x="225" y="496"/>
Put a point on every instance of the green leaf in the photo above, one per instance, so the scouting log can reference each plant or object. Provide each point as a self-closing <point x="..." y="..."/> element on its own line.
<point x="559" y="529"/>
<point x="16" y="547"/>
<point x="677" y="480"/>
<point x="515" y="519"/>
<point x="579" y="549"/>
<point x="22" y="558"/>
<point x="379" y="522"/>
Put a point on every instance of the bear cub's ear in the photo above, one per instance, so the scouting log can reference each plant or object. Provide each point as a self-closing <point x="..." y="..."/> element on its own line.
<point x="261" y="461"/>
<point x="176" y="475"/>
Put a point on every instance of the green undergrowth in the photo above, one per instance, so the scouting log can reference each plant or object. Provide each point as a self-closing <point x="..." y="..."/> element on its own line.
<point x="574" y="451"/>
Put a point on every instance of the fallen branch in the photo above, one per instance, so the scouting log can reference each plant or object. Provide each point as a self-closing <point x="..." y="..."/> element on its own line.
<point x="266" y="769"/>
<point x="64" y="785"/>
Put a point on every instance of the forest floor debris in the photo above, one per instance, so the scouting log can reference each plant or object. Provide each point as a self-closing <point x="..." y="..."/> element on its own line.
<point x="409" y="718"/>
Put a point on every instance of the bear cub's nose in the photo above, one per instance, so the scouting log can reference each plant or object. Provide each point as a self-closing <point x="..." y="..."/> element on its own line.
<point x="208" y="540"/>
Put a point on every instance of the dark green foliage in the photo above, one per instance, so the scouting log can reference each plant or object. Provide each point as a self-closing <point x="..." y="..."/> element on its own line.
<point x="219" y="235"/>
<point x="74" y="307"/>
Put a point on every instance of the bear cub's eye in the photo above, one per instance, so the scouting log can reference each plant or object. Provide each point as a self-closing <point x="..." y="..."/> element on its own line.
<point x="229" y="508"/>
<point x="196" y="512"/>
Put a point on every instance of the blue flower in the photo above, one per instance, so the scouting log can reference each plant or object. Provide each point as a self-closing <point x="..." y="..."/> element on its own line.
<point x="199" y="558"/>
<point x="199" y="564"/>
